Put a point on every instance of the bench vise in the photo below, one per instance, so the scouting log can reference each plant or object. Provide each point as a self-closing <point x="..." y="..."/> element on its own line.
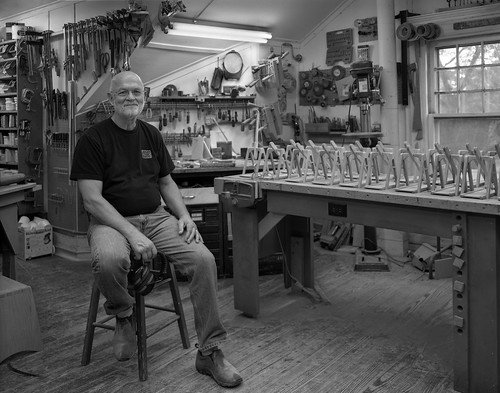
<point x="241" y="193"/>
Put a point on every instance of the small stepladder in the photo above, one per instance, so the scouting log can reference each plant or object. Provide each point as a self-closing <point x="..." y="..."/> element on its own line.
<point x="327" y="170"/>
<point x="447" y="173"/>
<point x="486" y="184"/>
<point x="382" y="172"/>
<point x="357" y="166"/>
<point x="301" y="164"/>
<point x="276" y="161"/>
<point x="414" y="170"/>
<point x="255" y="156"/>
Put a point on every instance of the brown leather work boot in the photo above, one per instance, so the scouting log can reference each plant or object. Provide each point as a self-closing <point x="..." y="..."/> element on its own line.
<point x="124" y="340"/>
<point x="216" y="366"/>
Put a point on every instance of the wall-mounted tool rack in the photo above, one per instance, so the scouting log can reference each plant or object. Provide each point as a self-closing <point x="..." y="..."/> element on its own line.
<point x="157" y="104"/>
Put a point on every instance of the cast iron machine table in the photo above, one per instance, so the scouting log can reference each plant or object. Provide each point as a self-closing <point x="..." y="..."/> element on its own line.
<point x="259" y="205"/>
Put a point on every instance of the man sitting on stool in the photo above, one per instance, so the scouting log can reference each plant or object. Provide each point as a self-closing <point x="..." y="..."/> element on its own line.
<point x="123" y="170"/>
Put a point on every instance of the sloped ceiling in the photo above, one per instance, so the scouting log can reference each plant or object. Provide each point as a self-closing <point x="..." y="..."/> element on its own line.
<point x="287" y="20"/>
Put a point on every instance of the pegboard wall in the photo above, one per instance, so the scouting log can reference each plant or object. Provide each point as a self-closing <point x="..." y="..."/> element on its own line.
<point x="339" y="46"/>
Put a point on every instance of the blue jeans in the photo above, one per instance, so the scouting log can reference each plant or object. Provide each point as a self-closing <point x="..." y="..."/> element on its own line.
<point x="111" y="263"/>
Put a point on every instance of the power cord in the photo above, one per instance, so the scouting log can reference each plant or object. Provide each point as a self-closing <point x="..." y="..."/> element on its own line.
<point x="11" y="367"/>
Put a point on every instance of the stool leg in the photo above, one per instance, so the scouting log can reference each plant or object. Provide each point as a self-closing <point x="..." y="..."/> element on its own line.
<point x="91" y="318"/>
<point x="142" y="352"/>
<point x="176" y="298"/>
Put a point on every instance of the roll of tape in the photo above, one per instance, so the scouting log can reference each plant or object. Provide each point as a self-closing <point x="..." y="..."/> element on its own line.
<point x="358" y="23"/>
<point x="428" y="31"/>
<point x="406" y="31"/>
<point x="424" y="31"/>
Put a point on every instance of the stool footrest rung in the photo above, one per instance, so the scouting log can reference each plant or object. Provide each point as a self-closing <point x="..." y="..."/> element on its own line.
<point x="162" y="327"/>
<point x="161" y="308"/>
<point x="103" y="326"/>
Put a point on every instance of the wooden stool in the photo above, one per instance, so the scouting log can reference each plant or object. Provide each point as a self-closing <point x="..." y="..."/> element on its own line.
<point x="139" y="311"/>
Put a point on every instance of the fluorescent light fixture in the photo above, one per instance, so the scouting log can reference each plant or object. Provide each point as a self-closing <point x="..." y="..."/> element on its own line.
<point x="184" y="48"/>
<point x="219" y="33"/>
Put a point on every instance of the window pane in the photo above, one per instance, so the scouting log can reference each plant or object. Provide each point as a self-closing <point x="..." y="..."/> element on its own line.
<point x="471" y="103"/>
<point x="455" y="133"/>
<point x="447" y="57"/>
<point x="492" y="77"/>
<point x="448" y="103"/>
<point x="492" y="102"/>
<point x="470" y="78"/>
<point x="447" y="80"/>
<point x="469" y="55"/>
<point x="492" y="53"/>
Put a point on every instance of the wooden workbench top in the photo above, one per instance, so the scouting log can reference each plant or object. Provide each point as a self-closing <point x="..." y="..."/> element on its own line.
<point x="422" y="199"/>
<point x="15" y="188"/>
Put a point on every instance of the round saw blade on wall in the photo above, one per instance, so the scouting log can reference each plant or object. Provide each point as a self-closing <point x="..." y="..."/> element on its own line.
<point x="338" y="72"/>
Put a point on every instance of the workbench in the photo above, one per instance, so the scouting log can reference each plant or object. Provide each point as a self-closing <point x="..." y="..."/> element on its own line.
<point x="472" y="224"/>
<point x="196" y="176"/>
<point x="9" y="197"/>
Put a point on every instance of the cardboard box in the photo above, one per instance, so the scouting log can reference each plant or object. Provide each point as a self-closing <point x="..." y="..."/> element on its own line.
<point x="35" y="243"/>
<point x="423" y="256"/>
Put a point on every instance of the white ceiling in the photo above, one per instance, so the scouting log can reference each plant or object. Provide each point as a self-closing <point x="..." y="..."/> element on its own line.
<point x="287" y="20"/>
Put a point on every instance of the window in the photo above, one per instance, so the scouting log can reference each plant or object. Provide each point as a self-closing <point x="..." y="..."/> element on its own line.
<point x="467" y="78"/>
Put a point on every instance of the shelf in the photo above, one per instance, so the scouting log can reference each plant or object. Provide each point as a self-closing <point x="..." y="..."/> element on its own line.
<point x="8" y="112"/>
<point x="7" y="77"/>
<point x="11" y="147"/>
<point x="11" y="129"/>
<point x="8" y="164"/>
<point x="202" y="99"/>
<point x="13" y="94"/>
<point x="362" y="135"/>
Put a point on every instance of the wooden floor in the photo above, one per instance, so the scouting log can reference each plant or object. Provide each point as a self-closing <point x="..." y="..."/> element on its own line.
<point x="366" y="332"/>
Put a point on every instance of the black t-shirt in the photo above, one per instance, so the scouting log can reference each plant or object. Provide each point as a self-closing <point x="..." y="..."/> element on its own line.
<point x="129" y="163"/>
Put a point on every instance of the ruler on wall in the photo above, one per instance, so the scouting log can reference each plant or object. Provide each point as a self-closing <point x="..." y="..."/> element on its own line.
<point x="476" y="23"/>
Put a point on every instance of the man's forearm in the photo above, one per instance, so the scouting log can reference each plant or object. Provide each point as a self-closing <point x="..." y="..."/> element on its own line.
<point x="103" y="211"/>
<point x="173" y="198"/>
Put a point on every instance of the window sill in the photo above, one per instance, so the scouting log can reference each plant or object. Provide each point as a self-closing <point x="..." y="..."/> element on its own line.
<point x="465" y="115"/>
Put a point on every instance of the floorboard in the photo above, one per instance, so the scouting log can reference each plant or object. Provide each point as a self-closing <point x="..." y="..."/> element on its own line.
<point x="359" y="332"/>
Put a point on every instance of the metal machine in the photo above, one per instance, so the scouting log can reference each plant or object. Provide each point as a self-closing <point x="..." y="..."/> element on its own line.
<point x="366" y="90"/>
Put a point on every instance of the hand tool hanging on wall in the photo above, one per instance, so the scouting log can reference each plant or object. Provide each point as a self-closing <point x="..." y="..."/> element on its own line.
<point x="217" y="77"/>
<point x="76" y="51"/>
<point x="45" y="71"/>
<point x="67" y="60"/>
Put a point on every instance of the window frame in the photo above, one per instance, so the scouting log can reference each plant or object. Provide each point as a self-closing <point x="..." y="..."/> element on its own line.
<point x="433" y="80"/>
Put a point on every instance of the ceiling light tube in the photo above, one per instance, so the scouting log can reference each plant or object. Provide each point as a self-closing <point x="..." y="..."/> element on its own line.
<point x="221" y="33"/>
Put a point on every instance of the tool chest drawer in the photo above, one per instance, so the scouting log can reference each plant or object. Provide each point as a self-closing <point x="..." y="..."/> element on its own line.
<point x="208" y="221"/>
